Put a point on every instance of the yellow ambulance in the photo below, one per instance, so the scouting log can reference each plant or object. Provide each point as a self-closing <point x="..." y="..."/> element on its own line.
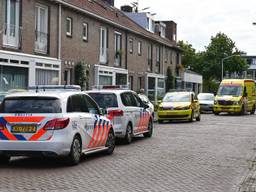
<point x="235" y="96"/>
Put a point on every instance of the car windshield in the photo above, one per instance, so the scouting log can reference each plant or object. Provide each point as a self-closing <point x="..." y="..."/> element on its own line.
<point x="231" y="90"/>
<point x="31" y="105"/>
<point x="176" y="98"/>
<point x="105" y="100"/>
<point x="206" y="97"/>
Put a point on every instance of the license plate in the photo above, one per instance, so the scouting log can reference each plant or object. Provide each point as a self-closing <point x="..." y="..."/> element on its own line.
<point x="23" y="129"/>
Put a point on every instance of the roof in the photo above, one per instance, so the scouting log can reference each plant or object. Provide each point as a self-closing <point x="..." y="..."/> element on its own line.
<point x="57" y="94"/>
<point x="103" y="11"/>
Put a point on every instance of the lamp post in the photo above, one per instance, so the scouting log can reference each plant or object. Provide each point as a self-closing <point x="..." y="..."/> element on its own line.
<point x="222" y="64"/>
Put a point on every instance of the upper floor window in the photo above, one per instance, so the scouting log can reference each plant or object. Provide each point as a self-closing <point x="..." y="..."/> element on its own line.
<point x="177" y="58"/>
<point x="103" y="45"/>
<point x="85" y="31"/>
<point x="11" y="35"/>
<point x="131" y="45"/>
<point x="118" y="48"/>
<point x="41" y="28"/>
<point x="139" y="48"/>
<point x="158" y="59"/>
<point x="150" y="53"/>
<point x="69" y="26"/>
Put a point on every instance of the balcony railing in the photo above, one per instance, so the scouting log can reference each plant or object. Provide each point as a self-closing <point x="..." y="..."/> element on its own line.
<point x="12" y="36"/>
<point x="41" y="43"/>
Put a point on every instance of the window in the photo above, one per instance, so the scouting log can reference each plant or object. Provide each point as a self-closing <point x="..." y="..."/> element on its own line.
<point x="128" y="100"/>
<point x="131" y="45"/>
<point x="131" y="82"/>
<point x="118" y="48"/>
<point x="105" y="100"/>
<point x="105" y="80"/>
<point x="41" y="28"/>
<point x="47" y="77"/>
<point x="139" y="48"/>
<point x="85" y="31"/>
<point x="91" y="105"/>
<point x="11" y="36"/>
<point x="103" y="45"/>
<point x="69" y="26"/>
<point x="177" y="58"/>
<point x="31" y="105"/>
<point x="158" y="59"/>
<point x="150" y="66"/>
<point x="76" y="104"/>
<point x="140" y="83"/>
<point x="121" y="79"/>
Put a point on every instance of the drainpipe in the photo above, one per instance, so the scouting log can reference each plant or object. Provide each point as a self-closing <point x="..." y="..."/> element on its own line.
<point x="59" y="43"/>
<point x="126" y="50"/>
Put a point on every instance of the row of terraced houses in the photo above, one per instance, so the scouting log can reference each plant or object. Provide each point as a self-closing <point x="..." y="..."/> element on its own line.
<point x="41" y="41"/>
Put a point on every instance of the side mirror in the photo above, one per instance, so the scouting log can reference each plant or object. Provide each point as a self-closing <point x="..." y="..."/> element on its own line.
<point x="146" y="106"/>
<point x="103" y="111"/>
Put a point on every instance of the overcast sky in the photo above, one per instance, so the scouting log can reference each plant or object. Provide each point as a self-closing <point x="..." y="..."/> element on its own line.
<point x="198" y="20"/>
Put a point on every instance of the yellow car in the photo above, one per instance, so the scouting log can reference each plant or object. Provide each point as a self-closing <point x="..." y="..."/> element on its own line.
<point x="179" y="106"/>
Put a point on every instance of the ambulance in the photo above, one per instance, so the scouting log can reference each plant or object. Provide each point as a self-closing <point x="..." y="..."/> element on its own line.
<point x="235" y="96"/>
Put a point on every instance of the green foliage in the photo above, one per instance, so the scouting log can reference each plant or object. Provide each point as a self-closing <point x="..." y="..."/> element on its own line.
<point x="169" y="80"/>
<point x="80" y="76"/>
<point x="208" y="62"/>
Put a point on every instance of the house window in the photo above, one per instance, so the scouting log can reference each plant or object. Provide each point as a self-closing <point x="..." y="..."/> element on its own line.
<point x="131" y="45"/>
<point x="131" y="82"/>
<point x="150" y="66"/>
<point x="11" y="35"/>
<point x="69" y="26"/>
<point x="103" y="45"/>
<point x="41" y="28"/>
<point x="158" y="59"/>
<point x="118" y="48"/>
<point x="139" y="48"/>
<point x="85" y="31"/>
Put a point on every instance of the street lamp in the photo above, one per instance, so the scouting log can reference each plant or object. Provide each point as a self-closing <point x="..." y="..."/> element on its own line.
<point x="222" y="63"/>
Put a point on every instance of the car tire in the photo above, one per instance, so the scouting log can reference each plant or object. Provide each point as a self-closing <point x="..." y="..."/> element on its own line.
<point x="4" y="159"/>
<point x="150" y="129"/>
<point x="253" y="110"/>
<point x="198" y="118"/>
<point x="111" y="143"/>
<point x="75" y="152"/>
<point x="216" y="113"/>
<point x="192" y="116"/>
<point x="128" y="135"/>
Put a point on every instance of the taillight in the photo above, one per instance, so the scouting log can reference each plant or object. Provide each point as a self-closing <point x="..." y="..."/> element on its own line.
<point x="56" y="124"/>
<point x="2" y="127"/>
<point x="115" y="113"/>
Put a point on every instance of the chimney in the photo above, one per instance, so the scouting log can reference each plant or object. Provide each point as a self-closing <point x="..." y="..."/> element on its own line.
<point x="127" y="8"/>
<point x="110" y="2"/>
<point x="171" y="31"/>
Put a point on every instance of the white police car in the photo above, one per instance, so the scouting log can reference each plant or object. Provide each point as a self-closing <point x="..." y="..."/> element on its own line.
<point x="53" y="123"/>
<point x="129" y="115"/>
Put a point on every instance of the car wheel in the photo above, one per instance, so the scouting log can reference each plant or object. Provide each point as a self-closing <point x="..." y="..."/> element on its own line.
<point x="75" y="151"/>
<point x="192" y="116"/>
<point x="111" y="142"/>
<point x="128" y="135"/>
<point x="160" y="121"/>
<point x="150" y="129"/>
<point x="198" y="118"/>
<point x="253" y="110"/>
<point x="216" y="113"/>
<point x="4" y="159"/>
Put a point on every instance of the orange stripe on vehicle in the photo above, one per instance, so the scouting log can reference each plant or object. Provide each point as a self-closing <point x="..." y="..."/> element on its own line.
<point x="106" y="134"/>
<point x="39" y="134"/>
<point x="9" y="135"/>
<point x="98" y="135"/>
<point x="24" y="119"/>
<point x="101" y="137"/>
<point x="95" y="131"/>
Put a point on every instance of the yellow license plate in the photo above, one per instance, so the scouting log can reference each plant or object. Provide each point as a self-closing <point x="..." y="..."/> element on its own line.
<point x="23" y="129"/>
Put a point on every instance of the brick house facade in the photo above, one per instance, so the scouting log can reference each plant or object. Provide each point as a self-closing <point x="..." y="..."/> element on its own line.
<point x="56" y="35"/>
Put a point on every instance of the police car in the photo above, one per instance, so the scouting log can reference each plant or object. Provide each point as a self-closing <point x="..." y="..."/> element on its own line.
<point x="61" y="122"/>
<point x="129" y="115"/>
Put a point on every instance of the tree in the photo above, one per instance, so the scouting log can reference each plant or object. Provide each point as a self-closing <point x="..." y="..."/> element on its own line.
<point x="80" y="76"/>
<point x="188" y="54"/>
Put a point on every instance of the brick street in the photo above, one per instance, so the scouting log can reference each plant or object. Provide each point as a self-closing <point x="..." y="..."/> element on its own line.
<point x="214" y="155"/>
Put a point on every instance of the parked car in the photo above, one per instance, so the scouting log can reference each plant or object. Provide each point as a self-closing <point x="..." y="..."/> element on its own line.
<point x="64" y="122"/>
<point x="179" y="106"/>
<point x="2" y="95"/>
<point x="206" y="101"/>
<point x="130" y="116"/>
<point x="236" y="96"/>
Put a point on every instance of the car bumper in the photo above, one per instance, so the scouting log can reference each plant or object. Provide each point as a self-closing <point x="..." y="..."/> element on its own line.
<point x="53" y="147"/>
<point x="174" y="115"/>
<point x="230" y="109"/>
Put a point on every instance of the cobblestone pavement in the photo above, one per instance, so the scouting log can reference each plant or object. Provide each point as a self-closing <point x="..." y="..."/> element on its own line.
<point x="214" y="155"/>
